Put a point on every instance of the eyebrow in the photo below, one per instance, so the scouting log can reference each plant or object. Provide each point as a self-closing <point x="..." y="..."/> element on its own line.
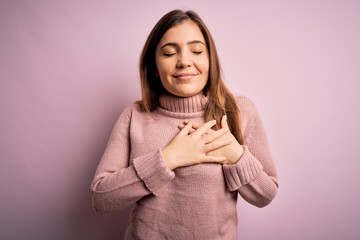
<point x="175" y="44"/>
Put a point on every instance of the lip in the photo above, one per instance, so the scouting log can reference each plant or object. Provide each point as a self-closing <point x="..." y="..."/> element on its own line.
<point x="184" y="76"/>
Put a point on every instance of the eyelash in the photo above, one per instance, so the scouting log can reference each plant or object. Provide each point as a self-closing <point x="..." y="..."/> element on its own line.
<point x="171" y="54"/>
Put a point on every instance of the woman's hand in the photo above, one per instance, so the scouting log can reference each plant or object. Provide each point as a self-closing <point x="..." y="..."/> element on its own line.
<point x="232" y="151"/>
<point x="193" y="144"/>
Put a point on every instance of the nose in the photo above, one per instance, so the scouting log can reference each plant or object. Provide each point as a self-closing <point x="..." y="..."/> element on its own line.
<point x="184" y="61"/>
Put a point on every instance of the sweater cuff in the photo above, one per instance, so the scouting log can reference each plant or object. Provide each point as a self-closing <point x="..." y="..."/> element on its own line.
<point x="152" y="171"/>
<point x="242" y="172"/>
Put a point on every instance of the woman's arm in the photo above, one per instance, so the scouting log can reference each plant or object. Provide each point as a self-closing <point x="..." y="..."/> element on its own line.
<point x="254" y="174"/>
<point x="118" y="184"/>
<point x="248" y="168"/>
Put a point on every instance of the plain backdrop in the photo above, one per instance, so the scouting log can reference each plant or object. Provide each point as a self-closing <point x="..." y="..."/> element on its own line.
<point x="68" y="69"/>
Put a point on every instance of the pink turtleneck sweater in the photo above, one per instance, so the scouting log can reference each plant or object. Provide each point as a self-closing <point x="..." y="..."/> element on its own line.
<point x="195" y="202"/>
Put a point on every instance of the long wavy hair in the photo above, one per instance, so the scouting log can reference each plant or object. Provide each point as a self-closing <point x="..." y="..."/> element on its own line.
<point x="220" y="99"/>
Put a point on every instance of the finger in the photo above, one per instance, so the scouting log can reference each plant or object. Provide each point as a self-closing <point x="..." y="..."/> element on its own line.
<point x="216" y="145"/>
<point x="204" y="128"/>
<point x="212" y="159"/>
<point x="213" y="135"/>
<point x="182" y="126"/>
<point x="192" y="130"/>
<point x="224" y="123"/>
<point x="186" y="129"/>
<point x="196" y="125"/>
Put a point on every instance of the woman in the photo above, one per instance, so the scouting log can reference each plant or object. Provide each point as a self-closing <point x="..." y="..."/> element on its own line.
<point x="183" y="153"/>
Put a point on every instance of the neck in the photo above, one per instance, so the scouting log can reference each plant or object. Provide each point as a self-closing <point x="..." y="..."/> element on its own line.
<point x="191" y="104"/>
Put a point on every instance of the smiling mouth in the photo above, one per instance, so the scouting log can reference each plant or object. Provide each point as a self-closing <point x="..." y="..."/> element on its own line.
<point x="185" y="76"/>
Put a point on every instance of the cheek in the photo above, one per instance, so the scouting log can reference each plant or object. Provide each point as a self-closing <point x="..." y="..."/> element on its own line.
<point x="205" y="69"/>
<point x="163" y="73"/>
<point x="204" y="65"/>
<point x="163" y="67"/>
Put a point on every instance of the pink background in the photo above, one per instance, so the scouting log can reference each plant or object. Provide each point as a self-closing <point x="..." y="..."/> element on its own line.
<point x="68" y="68"/>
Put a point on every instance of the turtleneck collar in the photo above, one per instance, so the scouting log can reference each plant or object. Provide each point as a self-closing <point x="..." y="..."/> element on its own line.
<point x="176" y="104"/>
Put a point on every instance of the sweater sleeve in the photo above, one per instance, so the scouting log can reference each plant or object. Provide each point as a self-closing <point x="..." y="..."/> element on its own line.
<point x="254" y="175"/>
<point x="117" y="183"/>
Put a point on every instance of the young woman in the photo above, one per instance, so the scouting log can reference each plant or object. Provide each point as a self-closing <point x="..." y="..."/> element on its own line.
<point x="184" y="152"/>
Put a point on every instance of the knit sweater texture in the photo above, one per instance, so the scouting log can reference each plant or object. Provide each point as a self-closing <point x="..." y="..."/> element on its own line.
<point x="194" y="202"/>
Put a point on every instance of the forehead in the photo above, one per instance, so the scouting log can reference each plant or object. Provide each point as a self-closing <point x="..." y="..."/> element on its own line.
<point x="185" y="31"/>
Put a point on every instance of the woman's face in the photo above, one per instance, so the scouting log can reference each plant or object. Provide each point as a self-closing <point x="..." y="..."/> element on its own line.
<point x="182" y="60"/>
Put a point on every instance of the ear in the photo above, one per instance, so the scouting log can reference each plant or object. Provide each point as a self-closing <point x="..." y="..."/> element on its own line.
<point x="157" y="73"/>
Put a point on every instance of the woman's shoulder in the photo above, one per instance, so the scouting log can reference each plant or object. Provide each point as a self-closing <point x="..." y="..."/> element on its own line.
<point x="129" y="110"/>
<point x="134" y="107"/>
<point x="245" y="104"/>
<point x="248" y="113"/>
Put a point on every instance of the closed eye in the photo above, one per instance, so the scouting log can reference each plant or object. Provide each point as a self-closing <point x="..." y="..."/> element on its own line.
<point x="198" y="52"/>
<point x="169" y="54"/>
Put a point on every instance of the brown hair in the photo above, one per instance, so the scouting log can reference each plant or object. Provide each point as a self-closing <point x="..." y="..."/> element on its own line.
<point x="220" y="102"/>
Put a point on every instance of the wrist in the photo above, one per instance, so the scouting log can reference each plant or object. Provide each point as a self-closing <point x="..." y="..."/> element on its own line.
<point x="236" y="156"/>
<point x="166" y="156"/>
